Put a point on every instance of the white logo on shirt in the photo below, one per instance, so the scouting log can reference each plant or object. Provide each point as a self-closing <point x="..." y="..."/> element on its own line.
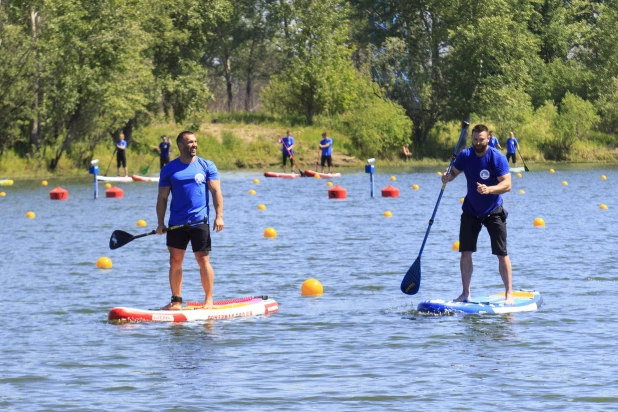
<point x="199" y="178"/>
<point x="484" y="174"/>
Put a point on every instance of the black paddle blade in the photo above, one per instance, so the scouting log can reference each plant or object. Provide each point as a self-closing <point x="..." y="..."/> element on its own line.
<point x="411" y="282"/>
<point x="119" y="239"/>
<point x="526" y="168"/>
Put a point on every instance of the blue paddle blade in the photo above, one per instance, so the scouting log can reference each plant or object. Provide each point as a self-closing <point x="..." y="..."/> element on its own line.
<point x="411" y="282"/>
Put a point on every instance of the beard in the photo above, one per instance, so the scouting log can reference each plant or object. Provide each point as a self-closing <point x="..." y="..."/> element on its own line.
<point x="479" y="149"/>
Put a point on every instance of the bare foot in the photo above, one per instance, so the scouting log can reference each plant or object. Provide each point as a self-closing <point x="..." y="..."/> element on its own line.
<point x="462" y="298"/>
<point x="172" y="306"/>
<point x="508" y="299"/>
<point x="208" y="305"/>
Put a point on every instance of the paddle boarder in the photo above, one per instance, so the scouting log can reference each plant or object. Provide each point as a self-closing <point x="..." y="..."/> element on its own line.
<point x="189" y="178"/>
<point x="287" y="149"/>
<point x="493" y="141"/>
<point x="512" y="146"/>
<point x="488" y="177"/>
<point x="121" y="158"/>
<point x="326" y="144"/>
<point x="164" y="151"/>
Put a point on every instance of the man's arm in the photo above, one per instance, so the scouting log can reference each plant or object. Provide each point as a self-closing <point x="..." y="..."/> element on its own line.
<point x="503" y="186"/>
<point x="214" y="186"/>
<point x="451" y="176"/>
<point x="164" y="192"/>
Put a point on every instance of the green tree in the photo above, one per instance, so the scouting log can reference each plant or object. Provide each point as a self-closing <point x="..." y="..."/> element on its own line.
<point x="576" y="119"/>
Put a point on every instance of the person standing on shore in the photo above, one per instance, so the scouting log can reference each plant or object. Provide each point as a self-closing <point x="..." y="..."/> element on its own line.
<point x="121" y="156"/>
<point x="189" y="178"/>
<point x="326" y="144"/>
<point x="487" y="175"/>
<point x="164" y="151"/>
<point x="493" y="141"/>
<point x="512" y="146"/>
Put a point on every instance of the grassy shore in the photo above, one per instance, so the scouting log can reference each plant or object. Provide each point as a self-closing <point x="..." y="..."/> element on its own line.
<point x="249" y="142"/>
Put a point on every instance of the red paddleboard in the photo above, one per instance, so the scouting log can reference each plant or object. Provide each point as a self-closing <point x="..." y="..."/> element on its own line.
<point x="312" y="173"/>
<point x="282" y="175"/>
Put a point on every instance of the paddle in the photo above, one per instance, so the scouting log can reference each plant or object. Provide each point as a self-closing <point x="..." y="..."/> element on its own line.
<point x="145" y="169"/>
<point x="317" y="160"/>
<point x="292" y="158"/>
<point x="110" y="162"/>
<point x="120" y="238"/>
<point x="411" y="282"/>
<point x="522" y="159"/>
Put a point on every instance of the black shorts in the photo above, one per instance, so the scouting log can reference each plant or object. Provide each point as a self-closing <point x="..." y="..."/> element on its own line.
<point x="495" y="223"/>
<point x="164" y="161"/>
<point x="508" y="155"/>
<point x="286" y="156"/>
<point x="121" y="159"/>
<point x="198" y="235"/>
<point x="326" y="159"/>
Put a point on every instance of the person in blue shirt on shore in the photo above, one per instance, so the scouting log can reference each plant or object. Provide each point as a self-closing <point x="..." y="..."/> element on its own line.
<point x="487" y="175"/>
<point x="287" y="150"/>
<point x="189" y="178"/>
<point x="164" y="151"/>
<point x="512" y="146"/>
<point x="493" y="141"/>
<point x="121" y="156"/>
<point x="326" y="144"/>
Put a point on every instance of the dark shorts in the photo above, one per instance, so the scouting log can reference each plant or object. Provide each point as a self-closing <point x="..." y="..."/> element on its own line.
<point x="198" y="235"/>
<point x="326" y="159"/>
<point x="163" y="161"/>
<point x="508" y="155"/>
<point x="495" y="223"/>
<point x="121" y="159"/>
<point x="285" y="156"/>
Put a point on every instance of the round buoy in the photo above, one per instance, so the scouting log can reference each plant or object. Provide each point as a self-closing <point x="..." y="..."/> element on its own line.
<point x="2" y="194"/>
<point x="455" y="246"/>
<point x="59" y="194"/>
<point x="30" y="215"/>
<point x="104" y="263"/>
<point x="329" y="184"/>
<point x="439" y="173"/>
<point x="44" y="183"/>
<point x="462" y="200"/>
<point x="538" y="222"/>
<point x="522" y="191"/>
<point x="393" y="178"/>
<point x="252" y="192"/>
<point x="390" y="191"/>
<point x="603" y="177"/>
<point x="114" y="192"/>
<point x="108" y="185"/>
<point x="388" y="213"/>
<point x="603" y="206"/>
<point x="256" y="181"/>
<point x="518" y="174"/>
<point x="316" y="176"/>
<point x="311" y="287"/>
<point x="552" y="171"/>
<point x="262" y="206"/>
<point x="565" y="183"/>
<point x="415" y="187"/>
<point x="141" y="223"/>
<point x="270" y="233"/>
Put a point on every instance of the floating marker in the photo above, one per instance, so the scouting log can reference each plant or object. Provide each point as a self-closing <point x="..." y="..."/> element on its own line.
<point x="337" y="192"/>
<point x="104" y="263"/>
<point x="462" y="200"/>
<point x="522" y="191"/>
<point x="603" y="206"/>
<point x="439" y="173"/>
<point x="114" y="192"/>
<point x="252" y="192"/>
<point x="108" y="185"/>
<point x="256" y="181"/>
<point x="311" y="287"/>
<point x="552" y="171"/>
<point x="603" y="177"/>
<point x="30" y="215"/>
<point x="455" y="246"/>
<point x="270" y="233"/>
<point x="518" y="175"/>
<point x="565" y="183"/>
<point x="390" y="191"/>
<point x="415" y="187"/>
<point x="393" y="178"/>
<point x="329" y="184"/>
<point x="388" y="213"/>
<point x="261" y="207"/>
<point x="2" y="194"/>
<point x="141" y="223"/>
<point x="316" y="176"/>
<point x="538" y="222"/>
<point x="59" y="194"/>
<point x="44" y="183"/>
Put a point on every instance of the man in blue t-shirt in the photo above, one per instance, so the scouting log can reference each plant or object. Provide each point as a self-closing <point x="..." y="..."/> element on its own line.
<point x="487" y="176"/>
<point x="287" y="149"/>
<point x="326" y="144"/>
<point x="121" y="158"/>
<point x="493" y="141"/>
<point x="189" y="178"/>
<point x="164" y="151"/>
<point x="511" y="148"/>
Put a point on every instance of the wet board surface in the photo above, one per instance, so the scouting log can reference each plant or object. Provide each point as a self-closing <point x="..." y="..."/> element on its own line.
<point x="525" y="301"/>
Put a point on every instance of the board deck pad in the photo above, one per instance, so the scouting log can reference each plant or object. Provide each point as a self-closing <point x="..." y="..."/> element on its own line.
<point x="193" y="311"/>
<point x="525" y="301"/>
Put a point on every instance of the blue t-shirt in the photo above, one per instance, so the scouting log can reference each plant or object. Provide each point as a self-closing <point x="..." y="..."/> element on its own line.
<point x="165" y="149"/>
<point x="493" y="142"/>
<point x="511" y="145"/>
<point x="484" y="170"/>
<point x="287" y="141"/>
<point x="122" y="143"/>
<point x="327" y="151"/>
<point x="189" y="189"/>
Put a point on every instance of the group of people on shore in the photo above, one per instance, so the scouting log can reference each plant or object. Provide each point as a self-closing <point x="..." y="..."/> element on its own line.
<point x="121" y="149"/>
<point x="325" y="149"/>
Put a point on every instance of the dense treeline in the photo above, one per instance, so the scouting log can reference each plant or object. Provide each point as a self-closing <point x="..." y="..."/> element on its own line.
<point x="77" y="73"/>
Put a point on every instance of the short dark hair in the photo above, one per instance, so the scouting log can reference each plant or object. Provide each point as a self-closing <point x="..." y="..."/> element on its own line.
<point x="479" y="128"/>
<point x="182" y="135"/>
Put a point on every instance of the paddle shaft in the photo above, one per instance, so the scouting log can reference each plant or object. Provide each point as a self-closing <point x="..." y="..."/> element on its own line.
<point x="524" y="162"/>
<point x="145" y="170"/>
<point x="110" y="161"/>
<point x="127" y="237"/>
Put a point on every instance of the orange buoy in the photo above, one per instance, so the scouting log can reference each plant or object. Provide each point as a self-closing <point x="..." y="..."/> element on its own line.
<point x="104" y="263"/>
<point x="455" y="246"/>
<point x="388" y="213"/>
<point x="603" y="206"/>
<point x="337" y="192"/>
<point x="59" y="194"/>
<point x="114" y="192"/>
<point x="390" y="191"/>
<point x="538" y="222"/>
<point x="311" y="287"/>
<point x="270" y="232"/>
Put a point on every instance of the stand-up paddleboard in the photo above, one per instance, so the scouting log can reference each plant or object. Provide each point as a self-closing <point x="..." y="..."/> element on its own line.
<point x="120" y="179"/>
<point x="283" y="175"/>
<point x="6" y="182"/>
<point x="517" y="169"/>
<point x="313" y="173"/>
<point x="137" y="178"/>
<point x="225" y="309"/>
<point x="525" y="301"/>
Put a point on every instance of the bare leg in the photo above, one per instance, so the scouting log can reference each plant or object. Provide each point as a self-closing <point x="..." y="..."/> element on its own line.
<point x="176" y="258"/>
<point x="126" y="172"/>
<point x="504" y="265"/>
<point x="207" y="275"/>
<point x="465" y="264"/>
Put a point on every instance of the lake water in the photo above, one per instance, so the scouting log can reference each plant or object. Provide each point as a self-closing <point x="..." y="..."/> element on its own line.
<point x="360" y="346"/>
